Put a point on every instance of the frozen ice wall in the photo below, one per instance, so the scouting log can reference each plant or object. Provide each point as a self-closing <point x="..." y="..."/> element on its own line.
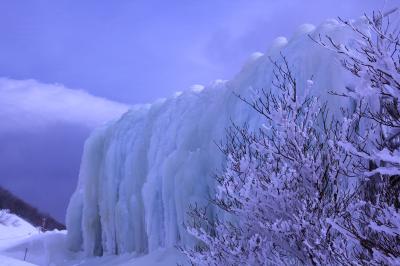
<point x="139" y="174"/>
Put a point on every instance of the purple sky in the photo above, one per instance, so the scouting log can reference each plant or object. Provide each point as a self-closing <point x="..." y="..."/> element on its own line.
<point x="126" y="51"/>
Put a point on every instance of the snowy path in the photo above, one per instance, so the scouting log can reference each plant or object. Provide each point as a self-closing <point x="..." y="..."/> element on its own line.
<point x="7" y="261"/>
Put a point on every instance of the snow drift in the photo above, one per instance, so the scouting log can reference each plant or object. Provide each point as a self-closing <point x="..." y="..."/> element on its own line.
<point x="139" y="174"/>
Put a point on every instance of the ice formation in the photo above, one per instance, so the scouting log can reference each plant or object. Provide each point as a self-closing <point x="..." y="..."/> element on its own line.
<point x="139" y="174"/>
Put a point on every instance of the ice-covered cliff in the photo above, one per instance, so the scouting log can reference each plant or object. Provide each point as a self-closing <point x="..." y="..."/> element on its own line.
<point x="139" y="174"/>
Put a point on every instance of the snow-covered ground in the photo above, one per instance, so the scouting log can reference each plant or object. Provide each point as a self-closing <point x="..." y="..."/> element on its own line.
<point x="21" y="244"/>
<point x="8" y="261"/>
<point x="14" y="229"/>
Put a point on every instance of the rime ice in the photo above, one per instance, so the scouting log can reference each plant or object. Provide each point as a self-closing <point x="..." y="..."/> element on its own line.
<point x="139" y="174"/>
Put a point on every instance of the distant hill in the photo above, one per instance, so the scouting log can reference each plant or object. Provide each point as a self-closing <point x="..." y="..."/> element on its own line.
<point x="27" y="212"/>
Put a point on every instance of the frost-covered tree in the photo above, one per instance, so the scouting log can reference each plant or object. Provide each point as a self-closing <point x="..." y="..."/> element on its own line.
<point x="371" y="135"/>
<point x="309" y="189"/>
<point x="279" y="186"/>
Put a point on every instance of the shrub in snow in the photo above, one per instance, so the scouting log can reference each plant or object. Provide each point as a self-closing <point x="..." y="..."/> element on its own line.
<point x="309" y="189"/>
<point x="280" y="184"/>
<point x="371" y="136"/>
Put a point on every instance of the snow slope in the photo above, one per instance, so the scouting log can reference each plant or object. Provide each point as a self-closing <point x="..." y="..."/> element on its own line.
<point x="14" y="229"/>
<point x="139" y="174"/>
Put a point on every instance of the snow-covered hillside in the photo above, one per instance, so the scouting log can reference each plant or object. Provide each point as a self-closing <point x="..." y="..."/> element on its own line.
<point x="139" y="174"/>
<point x="13" y="229"/>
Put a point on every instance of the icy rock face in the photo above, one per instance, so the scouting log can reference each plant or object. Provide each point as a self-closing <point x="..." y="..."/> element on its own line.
<point x="139" y="174"/>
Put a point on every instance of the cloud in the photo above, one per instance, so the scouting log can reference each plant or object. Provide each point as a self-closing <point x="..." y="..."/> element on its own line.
<point x="42" y="131"/>
<point x="31" y="105"/>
